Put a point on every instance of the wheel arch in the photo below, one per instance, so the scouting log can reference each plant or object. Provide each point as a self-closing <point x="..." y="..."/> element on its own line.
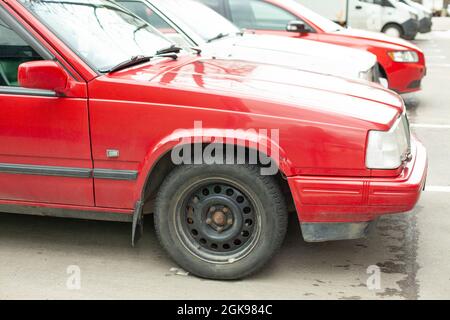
<point x="158" y="162"/>
<point x="389" y="24"/>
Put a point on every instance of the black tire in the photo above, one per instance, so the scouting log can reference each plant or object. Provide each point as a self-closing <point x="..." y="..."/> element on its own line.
<point x="396" y="27"/>
<point x="409" y="37"/>
<point x="180" y="208"/>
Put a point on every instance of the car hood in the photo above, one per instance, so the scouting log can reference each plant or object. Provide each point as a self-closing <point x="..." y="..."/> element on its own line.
<point x="269" y="83"/>
<point x="379" y="37"/>
<point x="420" y="7"/>
<point x="294" y="53"/>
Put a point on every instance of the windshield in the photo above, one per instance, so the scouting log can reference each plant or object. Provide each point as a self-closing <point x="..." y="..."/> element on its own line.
<point x="100" y="32"/>
<point x="415" y="5"/>
<point x="408" y="2"/>
<point x="323" y="23"/>
<point x="204" y="21"/>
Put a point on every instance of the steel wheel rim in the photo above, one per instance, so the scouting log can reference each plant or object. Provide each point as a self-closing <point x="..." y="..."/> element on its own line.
<point x="203" y="238"/>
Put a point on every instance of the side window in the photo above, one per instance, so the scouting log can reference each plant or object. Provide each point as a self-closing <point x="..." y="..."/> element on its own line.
<point x="377" y="2"/>
<point x="214" y="4"/>
<point x="242" y="14"/>
<point x="256" y="14"/>
<point x="148" y="15"/>
<point x="13" y="52"/>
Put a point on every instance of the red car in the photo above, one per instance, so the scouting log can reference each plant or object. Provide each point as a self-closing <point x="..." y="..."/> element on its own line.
<point x="103" y="118"/>
<point x="401" y="62"/>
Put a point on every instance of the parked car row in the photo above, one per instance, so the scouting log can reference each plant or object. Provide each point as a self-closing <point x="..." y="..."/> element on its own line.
<point x="401" y="65"/>
<point x="398" y="18"/>
<point x="116" y="109"/>
<point x="219" y="38"/>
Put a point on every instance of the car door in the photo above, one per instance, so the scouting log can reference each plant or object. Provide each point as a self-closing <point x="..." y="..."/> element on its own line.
<point x="365" y="14"/>
<point x="45" y="154"/>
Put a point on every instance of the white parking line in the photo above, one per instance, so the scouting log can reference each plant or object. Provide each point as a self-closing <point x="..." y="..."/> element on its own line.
<point x="437" y="189"/>
<point x="439" y="65"/>
<point x="436" y="57"/>
<point x="430" y="126"/>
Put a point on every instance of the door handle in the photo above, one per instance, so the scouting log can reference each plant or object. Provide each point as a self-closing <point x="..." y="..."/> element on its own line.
<point x="358" y="7"/>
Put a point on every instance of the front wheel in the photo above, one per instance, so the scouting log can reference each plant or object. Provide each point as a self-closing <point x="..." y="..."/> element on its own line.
<point x="220" y="221"/>
<point x="393" y="31"/>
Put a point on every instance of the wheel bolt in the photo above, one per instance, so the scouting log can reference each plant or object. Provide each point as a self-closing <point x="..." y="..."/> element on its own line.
<point x="220" y="229"/>
<point x="212" y="209"/>
<point x="230" y="222"/>
<point x="225" y="210"/>
<point x="208" y="221"/>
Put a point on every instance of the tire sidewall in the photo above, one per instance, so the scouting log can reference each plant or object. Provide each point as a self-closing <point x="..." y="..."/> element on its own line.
<point x="172" y="192"/>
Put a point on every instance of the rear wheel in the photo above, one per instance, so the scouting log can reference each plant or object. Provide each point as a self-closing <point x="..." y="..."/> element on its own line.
<point x="220" y="221"/>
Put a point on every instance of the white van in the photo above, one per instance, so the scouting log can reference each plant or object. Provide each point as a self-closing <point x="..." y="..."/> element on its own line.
<point x="389" y="16"/>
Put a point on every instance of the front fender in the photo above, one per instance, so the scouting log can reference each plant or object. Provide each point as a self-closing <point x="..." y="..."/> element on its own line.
<point x="263" y="142"/>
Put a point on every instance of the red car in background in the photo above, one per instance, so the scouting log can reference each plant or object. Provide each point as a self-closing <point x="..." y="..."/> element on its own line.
<point x="401" y="62"/>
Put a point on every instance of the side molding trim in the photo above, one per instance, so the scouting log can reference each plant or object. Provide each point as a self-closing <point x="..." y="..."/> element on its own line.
<point x="26" y="92"/>
<point x="115" y="174"/>
<point x="45" y="170"/>
<point x="128" y="175"/>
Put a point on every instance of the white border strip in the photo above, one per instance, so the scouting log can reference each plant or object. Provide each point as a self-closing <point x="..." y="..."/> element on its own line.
<point x="437" y="189"/>
<point x="437" y="65"/>
<point x="431" y="57"/>
<point x="430" y="126"/>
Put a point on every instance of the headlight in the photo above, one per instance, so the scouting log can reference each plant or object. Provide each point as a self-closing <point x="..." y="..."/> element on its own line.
<point x="404" y="56"/>
<point x="414" y="16"/>
<point x="387" y="150"/>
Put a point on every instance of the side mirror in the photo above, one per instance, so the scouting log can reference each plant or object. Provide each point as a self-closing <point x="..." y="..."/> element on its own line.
<point x="296" y="26"/>
<point x="43" y="75"/>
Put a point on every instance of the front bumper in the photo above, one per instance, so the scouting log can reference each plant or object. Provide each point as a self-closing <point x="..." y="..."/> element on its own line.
<point x="425" y="25"/>
<point x="358" y="201"/>
<point x="405" y="77"/>
<point x="410" y="28"/>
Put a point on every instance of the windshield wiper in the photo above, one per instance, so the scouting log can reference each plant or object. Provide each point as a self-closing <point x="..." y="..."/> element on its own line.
<point x="219" y="36"/>
<point x="135" y="60"/>
<point x="171" y="49"/>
